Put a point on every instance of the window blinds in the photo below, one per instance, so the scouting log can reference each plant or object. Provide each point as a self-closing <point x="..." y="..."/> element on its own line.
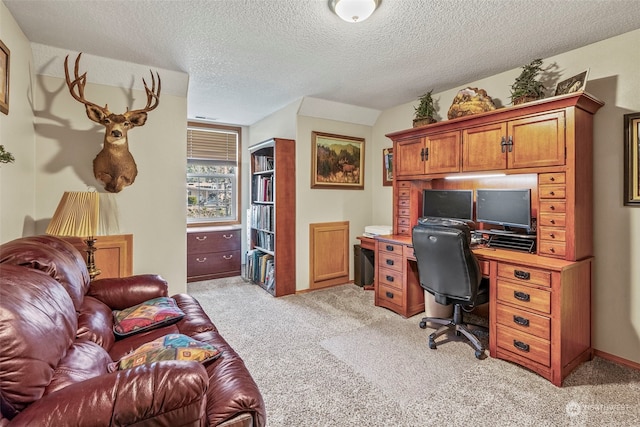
<point x="212" y="144"/>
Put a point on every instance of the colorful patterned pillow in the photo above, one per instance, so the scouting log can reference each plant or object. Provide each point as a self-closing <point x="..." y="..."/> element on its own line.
<point x="148" y="315"/>
<point x="169" y="347"/>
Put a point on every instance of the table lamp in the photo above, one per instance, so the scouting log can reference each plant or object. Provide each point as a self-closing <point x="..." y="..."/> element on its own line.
<point x="77" y="215"/>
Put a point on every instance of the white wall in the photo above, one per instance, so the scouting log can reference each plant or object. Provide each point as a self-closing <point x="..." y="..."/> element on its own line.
<point x="17" y="180"/>
<point x="613" y="78"/>
<point x="153" y="208"/>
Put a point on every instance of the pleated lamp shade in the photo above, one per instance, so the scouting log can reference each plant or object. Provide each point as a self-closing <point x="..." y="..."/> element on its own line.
<point x="77" y="215"/>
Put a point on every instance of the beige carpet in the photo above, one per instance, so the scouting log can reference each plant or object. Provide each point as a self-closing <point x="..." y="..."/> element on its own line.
<point x="331" y="358"/>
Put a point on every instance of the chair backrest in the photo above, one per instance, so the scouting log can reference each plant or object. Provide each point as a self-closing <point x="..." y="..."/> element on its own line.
<point x="446" y="266"/>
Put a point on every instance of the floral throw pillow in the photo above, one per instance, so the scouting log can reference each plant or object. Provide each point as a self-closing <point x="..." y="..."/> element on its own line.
<point x="148" y="315"/>
<point x="169" y="347"/>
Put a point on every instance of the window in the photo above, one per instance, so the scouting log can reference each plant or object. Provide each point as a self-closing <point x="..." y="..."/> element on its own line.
<point x="213" y="174"/>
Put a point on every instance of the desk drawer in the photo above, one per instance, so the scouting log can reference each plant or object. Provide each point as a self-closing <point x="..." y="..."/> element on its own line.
<point x="404" y="203"/>
<point x="390" y="296"/>
<point x="527" y="275"/>
<point x="524" y="321"/>
<point x="555" y="249"/>
<point x="552" y="234"/>
<point x="552" y="219"/>
<point x="524" y="296"/>
<point x="390" y="278"/>
<point x="551" y="178"/>
<point x="404" y="212"/>
<point x="395" y="248"/>
<point x="404" y="192"/>
<point x="390" y="260"/>
<point x="552" y="192"/>
<point x="403" y="221"/>
<point x="524" y="344"/>
<point x="550" y="206"/>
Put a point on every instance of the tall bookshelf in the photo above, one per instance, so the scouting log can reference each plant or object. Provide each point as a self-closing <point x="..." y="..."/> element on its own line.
<point x="271" y="255"/>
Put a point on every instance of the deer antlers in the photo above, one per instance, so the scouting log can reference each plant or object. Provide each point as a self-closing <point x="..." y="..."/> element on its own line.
<point x="114" y="165"/>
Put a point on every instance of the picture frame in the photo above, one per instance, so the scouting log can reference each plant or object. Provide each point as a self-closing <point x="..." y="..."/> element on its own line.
<point x="573" y="84"/>
<point x="387" y="167"/>
<point x="337" y="162"/>
<point x="5" y="56"/>
<point x="632" y="159"/>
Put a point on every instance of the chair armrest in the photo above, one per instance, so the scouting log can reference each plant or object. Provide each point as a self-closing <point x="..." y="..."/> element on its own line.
<point x="162" y="393"/>
<point x="124" y="292"/>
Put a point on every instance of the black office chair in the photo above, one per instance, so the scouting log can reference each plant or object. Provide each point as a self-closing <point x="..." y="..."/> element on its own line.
<point x="451" y="273"/>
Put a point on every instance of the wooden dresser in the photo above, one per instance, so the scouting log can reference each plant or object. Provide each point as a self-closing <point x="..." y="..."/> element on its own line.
<point x="213" y="253"/>
<point x="540" y="303"/>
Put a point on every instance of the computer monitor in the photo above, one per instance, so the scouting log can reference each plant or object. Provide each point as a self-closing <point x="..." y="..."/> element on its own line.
<point x="448" y="203"/>
<point x="506" y="207"/>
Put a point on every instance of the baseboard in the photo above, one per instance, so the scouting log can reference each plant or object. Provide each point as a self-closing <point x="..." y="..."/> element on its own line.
<point x="617" y="359"/>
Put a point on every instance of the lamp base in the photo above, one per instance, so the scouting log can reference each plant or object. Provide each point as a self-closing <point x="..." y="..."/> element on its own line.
<point x="91" y="262"/>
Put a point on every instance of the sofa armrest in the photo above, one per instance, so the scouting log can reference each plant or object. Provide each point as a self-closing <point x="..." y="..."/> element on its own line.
<point x="163" y="393"/>
<point x="124" y="292"/>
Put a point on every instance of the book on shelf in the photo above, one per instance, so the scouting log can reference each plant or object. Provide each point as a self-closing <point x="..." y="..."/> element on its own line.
<point x="262" y="163"/>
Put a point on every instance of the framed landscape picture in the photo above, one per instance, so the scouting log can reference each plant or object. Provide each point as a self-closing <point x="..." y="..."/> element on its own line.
<point x="337" y="161"/>
<point x="632" y="159"/>
<point x="4" y="78"/>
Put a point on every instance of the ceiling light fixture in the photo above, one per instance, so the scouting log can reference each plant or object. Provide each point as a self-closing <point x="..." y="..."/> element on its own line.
<point x="354" y="10"/>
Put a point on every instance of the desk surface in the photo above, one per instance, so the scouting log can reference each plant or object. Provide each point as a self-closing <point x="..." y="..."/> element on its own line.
<point x="483" y="252"/>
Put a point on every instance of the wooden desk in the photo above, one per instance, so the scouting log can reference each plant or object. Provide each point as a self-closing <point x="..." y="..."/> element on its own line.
<point x="539" y="308"/>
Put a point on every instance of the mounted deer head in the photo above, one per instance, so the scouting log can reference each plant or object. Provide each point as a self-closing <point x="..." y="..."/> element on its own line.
<point x="114" y="165"/>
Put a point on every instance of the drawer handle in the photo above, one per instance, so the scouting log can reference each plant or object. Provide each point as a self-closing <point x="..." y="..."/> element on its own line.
<point x="227" y="237"/>
<point x="521" y="321"/>
<point x="553" y="193"/>
<point x="390" y="278"/>
<point x="227" y="256"/>
<point x="389" y="262"/>
<point x="521" y="346"/>
<point x="390" y="248"/>
<point x="552" y="221"/>
<point x="552" y="179"/>
<point x="521" y="296"/>
<point x="552" y="250"/>
<point x="523" y="275"/>
<point x="553" y="208"/>
<point x="201" y="260"/>
<point x="553" y="236"/>
<point x="201" y="238"/>
<point x="389" y="294"/>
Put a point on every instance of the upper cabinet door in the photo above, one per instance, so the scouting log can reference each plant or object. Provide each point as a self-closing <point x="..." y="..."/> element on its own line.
<point x="484" y="148"/>
<point x="409" y="157"/>
<point x="537" y="141"/>
<point x="443" y="155"/>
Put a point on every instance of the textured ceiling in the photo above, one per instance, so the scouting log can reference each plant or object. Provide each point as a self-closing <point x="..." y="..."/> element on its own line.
<point x="248" y="58"/>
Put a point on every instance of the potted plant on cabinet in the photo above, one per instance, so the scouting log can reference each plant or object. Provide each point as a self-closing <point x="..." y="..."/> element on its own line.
<point x="526" y="88"/>
<point x="425" y="111"/>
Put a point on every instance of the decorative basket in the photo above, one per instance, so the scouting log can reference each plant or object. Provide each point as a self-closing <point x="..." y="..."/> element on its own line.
<point x="423" y="122"/>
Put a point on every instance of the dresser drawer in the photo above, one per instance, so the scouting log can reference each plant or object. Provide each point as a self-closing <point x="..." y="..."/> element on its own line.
<point x="524" y="344"/>
<point x="390" y="278"/>
<point x="389" y="296"/>
<point x="404" y="212"/>
<point x="551" y="178"/>
<point x="552" y="234"/>
<point x="404" y="203"/>
<point x="551" y="206"/>
<point x="527" y="275"/>
<point x="213" y="263"/>
<point x="403" y="221"/>
<point x="524" y="296"/>
<point x="551" y="248"/>
<point x="405" y="231"/>
<point x="524" y="321"/>
<point x="552" y="192"/>
<point x="552" y="219"/>
<point x="213" y="241"/>
<point x="404" y="192"/>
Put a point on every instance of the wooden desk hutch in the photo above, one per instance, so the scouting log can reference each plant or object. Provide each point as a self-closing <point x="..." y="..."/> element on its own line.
<point x="540" y="305"/>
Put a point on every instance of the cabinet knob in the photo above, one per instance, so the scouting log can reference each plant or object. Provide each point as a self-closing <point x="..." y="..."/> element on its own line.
<point x="201" y="259"/>
<point x="390" y="278"/>
<point x="553" y="193"/>
<point x="227" y="256"/>
<point x="389" y="248"/>
<point x="510" y="143"/>
<point x="227" y="237"/>
<point x="389" y="262"/>
<point x="552" y="221"/>
<point x="521" y="321"/>
<point x="553" y="236"/>
<point x="522" y="296"/>
<point x="552" y="179"/>
<point x="201" y="238"/>
<point x="521" y="346"/>
<point x="389" y="295"/>
<point x="503" y="144"/>
<point x="553" y="208"/>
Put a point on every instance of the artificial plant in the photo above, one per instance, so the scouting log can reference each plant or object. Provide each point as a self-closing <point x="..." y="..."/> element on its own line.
<point x="426" y="109"/>
<point x="5" y="156"/>
<point x="527" y="87"/>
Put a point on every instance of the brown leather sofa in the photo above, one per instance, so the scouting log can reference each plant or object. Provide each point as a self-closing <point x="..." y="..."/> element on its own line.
<point x="56" y="343"/>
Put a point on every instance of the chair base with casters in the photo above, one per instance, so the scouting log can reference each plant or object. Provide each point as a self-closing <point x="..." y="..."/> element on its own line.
<point x="456" y="323"/>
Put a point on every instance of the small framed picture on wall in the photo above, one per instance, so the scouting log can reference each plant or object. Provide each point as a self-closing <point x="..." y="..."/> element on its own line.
<point x="4" y="78"/>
